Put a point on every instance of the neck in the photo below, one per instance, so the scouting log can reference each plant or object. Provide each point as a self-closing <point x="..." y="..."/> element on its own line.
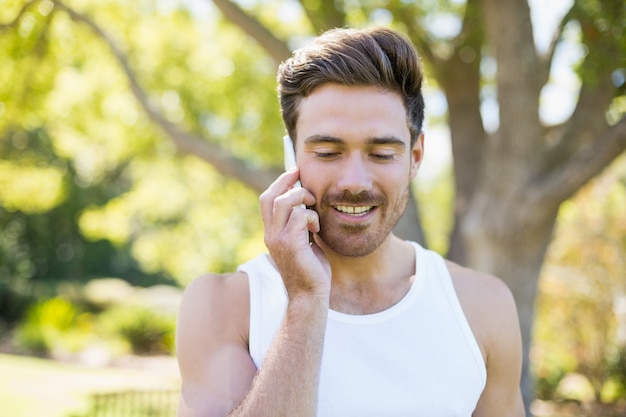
<point x="381" y="262"/>
<point x="373" y="282"/>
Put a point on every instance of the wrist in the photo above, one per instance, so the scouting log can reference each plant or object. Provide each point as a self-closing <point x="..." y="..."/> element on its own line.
<point x="308" y="303"/>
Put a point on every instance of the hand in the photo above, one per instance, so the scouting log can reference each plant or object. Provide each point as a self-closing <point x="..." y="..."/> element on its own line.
<point x="302" y="264"/>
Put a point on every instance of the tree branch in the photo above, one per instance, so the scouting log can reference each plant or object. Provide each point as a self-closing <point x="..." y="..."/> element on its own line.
<point x="275" y="47"/>
<point x="584" y="126"/>
<point x="582" y="166"/>
<point x="548" y="57"/>
<point x="596" y="93"/>
<point x="472" y="21"/>
<point x="185" y="142"/>
<point x="517" y="78"/>
<point x="324" y="16"/>
<point x="405" y="13"/>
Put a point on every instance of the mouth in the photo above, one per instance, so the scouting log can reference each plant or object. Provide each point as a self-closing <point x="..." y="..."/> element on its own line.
<point x="356" y="211"/>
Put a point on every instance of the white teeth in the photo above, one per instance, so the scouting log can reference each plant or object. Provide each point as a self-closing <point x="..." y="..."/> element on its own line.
<point x="357" y="211"/>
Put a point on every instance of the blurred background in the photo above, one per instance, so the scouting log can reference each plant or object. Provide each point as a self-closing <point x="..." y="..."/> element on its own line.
<point x="135" y="138"/>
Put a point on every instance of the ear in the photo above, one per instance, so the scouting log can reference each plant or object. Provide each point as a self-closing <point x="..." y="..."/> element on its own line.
<point x="417" y="153"/>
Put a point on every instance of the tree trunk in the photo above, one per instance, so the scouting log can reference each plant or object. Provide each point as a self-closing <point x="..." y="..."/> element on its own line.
<point x="505" y="232"/>
<point x="510" y="242"/>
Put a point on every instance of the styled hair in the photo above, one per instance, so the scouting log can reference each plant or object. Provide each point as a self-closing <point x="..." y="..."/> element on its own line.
<point x="377" y="57"/>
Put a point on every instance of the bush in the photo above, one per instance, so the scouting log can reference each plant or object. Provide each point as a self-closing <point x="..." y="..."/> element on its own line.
<point x="146" y="331"/>
<point x="615" y="368"/>
<point x="14" y="301"/>
<point x="547" y="382"/>
<point x="45" y="323"/>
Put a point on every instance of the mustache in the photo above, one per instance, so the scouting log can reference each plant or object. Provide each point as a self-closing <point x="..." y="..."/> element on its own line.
<point x="364" y="198"/>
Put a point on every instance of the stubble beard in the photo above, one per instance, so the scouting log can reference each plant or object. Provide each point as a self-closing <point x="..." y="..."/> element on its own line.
<point x="356" y="240"/>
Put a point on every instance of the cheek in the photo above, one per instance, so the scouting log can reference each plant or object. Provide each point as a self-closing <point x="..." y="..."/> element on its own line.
<point x="310" y="180"/>
<point x="398" y="177"/>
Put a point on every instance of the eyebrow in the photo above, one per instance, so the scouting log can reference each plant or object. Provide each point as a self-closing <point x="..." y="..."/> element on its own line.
<point x="376" y="140"/>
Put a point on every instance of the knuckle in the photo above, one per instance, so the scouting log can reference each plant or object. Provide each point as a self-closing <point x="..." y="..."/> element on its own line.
<point x="264" y="196"/>
<point x="280" y="202"/>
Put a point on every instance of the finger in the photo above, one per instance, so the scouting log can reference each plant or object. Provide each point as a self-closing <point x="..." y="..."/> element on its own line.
<point x="298" y="226"/>
<point x="282" y="184"/>
<point x="313" y="223"/>
<point x="285" y="204"/>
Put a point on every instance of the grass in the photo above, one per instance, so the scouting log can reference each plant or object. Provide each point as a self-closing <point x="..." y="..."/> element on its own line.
<point x="31" y="387"/>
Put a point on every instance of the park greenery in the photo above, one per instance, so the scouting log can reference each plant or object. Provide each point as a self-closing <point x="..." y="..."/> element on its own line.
<point x="136" y="136"/>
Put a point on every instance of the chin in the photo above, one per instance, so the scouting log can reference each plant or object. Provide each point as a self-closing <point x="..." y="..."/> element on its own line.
<point x="353" y="244"/>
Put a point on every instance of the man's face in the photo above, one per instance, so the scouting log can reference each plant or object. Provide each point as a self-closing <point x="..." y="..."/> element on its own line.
<point x="355" y="156"/>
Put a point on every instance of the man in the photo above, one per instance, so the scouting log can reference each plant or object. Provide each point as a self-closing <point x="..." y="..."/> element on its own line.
<point x="342" y="318"/>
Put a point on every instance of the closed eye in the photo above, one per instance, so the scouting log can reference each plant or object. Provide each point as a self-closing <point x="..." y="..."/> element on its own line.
<point x="326" y="155"/>
<point x="383" y="157"/>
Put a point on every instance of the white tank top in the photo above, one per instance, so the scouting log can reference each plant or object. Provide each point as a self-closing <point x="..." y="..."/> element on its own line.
<point x="417" y="358"/>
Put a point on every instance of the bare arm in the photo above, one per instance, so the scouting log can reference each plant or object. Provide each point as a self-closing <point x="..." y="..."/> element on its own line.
<point x="502" y="395"/>
<point x="490" y="309"/>
<point x="211" y="343"/>
<point x="219" y="378"/>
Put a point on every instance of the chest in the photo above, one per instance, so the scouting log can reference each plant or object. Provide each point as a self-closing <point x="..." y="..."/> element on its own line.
<point x="398" y="370"/>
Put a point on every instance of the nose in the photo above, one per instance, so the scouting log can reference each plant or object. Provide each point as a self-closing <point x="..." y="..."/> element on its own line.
<point x="355" y="176"/>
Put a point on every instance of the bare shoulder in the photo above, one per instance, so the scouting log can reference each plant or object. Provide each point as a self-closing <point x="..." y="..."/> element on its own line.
<point x="215" y="300"/>
<point x="474" y="286"/>
<point x="487" y="303"/>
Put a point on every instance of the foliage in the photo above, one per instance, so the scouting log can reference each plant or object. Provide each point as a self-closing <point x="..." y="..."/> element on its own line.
<point x="138" y="204"/>
<point x="138" y="320"/>
<point x="41" y="242"/>
<point x="580" y="323"/>
<point x="180" y="218"/>
<point x="44" y="324"/>
<point x="146" y="331"/>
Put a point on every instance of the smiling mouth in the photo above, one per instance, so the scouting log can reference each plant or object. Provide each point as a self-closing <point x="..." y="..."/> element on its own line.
<point x="354" y="210"/>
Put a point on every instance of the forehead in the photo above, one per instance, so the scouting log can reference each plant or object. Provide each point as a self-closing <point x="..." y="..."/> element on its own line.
<point x="352" y="112"/>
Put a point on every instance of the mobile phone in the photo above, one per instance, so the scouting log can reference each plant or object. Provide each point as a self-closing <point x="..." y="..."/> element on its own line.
<point x="290" y="159"/>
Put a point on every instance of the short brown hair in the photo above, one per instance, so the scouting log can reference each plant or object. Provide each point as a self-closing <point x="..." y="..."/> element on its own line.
<point x="368" y="57"/>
